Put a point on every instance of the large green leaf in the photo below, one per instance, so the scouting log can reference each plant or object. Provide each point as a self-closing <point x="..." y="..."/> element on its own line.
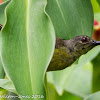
<point x="2" y="73"/>
<point x="96" y="74"/>
<point x="2" y="21"/>
<point x="71" y="17"/>
<point x="28" y="40"/>
<point x="95" y="96"/>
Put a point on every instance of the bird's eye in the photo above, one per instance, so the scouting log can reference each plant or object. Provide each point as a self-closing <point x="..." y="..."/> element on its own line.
<point x="84" y="39"/>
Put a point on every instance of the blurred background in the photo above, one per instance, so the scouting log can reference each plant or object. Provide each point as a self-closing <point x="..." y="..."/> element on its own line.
<point x="80" y="81"/>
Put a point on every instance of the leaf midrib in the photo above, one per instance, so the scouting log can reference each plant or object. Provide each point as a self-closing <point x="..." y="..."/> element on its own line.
<point x="28" y="49"/>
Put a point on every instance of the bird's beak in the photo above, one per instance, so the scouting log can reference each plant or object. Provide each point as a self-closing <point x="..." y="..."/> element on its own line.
<point x="95" y="43"/>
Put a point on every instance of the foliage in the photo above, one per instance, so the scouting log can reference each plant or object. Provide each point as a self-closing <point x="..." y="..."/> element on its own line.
<point x="27" y="43"/>
<point x="69" y="19"/>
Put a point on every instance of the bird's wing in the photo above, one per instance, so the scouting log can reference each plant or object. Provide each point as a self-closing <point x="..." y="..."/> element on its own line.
<point x="59" y="42"/>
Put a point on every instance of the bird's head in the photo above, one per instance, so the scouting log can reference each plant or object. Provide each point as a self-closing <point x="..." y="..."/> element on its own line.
<point x="82" y="44"/>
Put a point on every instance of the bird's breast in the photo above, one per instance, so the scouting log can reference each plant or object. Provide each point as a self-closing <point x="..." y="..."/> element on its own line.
<point x="61" y="59"/>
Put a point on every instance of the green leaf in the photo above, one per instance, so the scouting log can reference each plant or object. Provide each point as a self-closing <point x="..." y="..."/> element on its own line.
<point x="95" y="5"/>
<point x="60" y="82"/>
<point x="2" y="11"/>
<point x="81" y="75"/>
<point x="89" y="56"/>
<point x="53" y="95"/>
<point x="2" y="72"/>
<point x="7" y="85"/>
<point x="28" y="41"/>
<point x="97" y="16"/>
<point x="71" y="17"/>
<point x="98" y="2"/>
<point x="2" y="21"/>
<point x="96" y="74"/>
<point x="95" y="96"/>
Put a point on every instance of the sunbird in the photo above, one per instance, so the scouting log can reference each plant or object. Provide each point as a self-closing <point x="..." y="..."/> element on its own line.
<point x="68" y="51"/>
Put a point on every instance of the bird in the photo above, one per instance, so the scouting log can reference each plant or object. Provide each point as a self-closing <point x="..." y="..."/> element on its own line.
<point x="68" y="51"/>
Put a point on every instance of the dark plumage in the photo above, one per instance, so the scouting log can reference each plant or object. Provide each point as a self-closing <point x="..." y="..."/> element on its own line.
<point x="67" y="51"/>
